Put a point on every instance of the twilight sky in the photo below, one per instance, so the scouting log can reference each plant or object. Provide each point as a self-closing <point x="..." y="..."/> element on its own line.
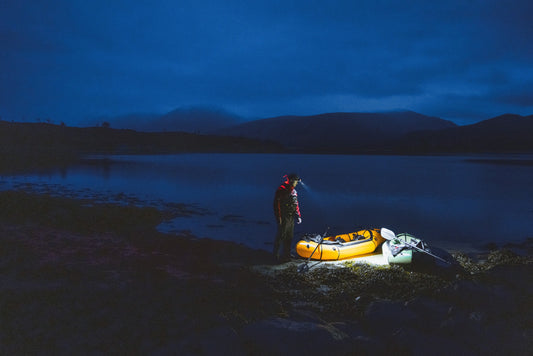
<point x="70" y="60"/>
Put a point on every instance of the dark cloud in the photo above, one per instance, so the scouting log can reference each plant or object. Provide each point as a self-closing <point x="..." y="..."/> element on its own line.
<point x="75" y="59"/>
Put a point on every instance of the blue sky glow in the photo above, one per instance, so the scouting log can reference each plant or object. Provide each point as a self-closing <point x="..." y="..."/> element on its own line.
<point x="70" y="60"/>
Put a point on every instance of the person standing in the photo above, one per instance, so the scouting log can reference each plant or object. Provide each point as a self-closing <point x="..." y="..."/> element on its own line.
<point x="286" y="211"/>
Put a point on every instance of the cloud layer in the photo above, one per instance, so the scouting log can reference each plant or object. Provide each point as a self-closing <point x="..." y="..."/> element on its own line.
<point x="456" y="59"/>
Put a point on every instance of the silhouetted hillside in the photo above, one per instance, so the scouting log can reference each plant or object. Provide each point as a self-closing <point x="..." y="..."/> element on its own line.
<point x="198" y="120"/>
<point x="506" y="133"/>
<point x="39" y="144"/>
<point x="337" y="132"/>
<point x="24" y="145"/>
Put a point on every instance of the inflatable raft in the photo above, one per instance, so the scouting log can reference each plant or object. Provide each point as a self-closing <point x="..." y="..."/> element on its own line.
<point x="339" y="247"/>
<point x="395" y="251"/>
<point x="406" y="249"/>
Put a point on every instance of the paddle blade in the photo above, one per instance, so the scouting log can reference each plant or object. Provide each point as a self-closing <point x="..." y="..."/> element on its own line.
<point x="387" y="234"/>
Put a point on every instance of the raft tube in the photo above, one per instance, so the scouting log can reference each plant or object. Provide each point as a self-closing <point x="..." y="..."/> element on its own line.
<point x="394" y="251"/>
<point x="339" y="247"/>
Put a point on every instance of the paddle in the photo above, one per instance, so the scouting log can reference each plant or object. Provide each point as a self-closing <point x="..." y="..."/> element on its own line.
<point x="305" y="267"/>
<point x="389" y="235"/>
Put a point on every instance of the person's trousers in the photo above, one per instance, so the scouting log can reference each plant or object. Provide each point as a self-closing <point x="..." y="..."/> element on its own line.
<point x="282" y="244"/>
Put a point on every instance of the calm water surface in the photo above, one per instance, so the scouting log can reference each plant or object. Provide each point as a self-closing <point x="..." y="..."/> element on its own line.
<point x="448" y="200"/>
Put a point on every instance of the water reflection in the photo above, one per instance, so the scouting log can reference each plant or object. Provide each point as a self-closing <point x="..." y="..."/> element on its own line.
<point x="441" y="199"/>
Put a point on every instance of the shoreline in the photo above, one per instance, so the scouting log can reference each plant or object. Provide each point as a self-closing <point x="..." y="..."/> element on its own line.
<point x="204" y="222"/>
<point x="117" y="285"/>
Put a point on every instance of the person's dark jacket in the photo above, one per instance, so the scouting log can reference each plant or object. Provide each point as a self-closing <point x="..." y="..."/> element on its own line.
<point x="286" y="202"/>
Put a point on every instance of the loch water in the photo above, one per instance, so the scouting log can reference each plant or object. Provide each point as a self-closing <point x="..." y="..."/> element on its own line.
<point x="450" y="201"/>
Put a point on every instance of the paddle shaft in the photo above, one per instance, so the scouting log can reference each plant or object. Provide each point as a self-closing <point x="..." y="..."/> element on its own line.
<point x="422" y="250"/>
<point x="320" y="242"/>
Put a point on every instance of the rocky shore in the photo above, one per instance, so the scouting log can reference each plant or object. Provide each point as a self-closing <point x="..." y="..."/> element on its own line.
<point x="79" y="277"/>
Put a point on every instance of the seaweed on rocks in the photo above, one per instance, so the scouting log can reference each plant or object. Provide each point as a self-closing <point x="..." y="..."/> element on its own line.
<point x="118" y="286"/>
<point x="347" y="291"/>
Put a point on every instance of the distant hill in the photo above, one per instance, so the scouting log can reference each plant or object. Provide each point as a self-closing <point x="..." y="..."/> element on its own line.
<point x="199" y="120"/>
<point x="196" y="120"/>
<point x="41" y="144"/>
<point x="40" y="136"/>
<point x="505" y="133"/>
<point x="137" y="122"/>
<point x="31" y="145"/>
<point x="337" y="132"/>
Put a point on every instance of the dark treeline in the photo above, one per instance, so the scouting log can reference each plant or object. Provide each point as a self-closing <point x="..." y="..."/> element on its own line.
<point x="40" y="145"/>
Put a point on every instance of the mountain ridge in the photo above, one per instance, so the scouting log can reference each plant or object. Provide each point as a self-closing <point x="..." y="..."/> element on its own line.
<point x="503" y="133"/>
<point x="398" y="132"/>
<point x="345" y="132"/>
<point x="194" y="119"/>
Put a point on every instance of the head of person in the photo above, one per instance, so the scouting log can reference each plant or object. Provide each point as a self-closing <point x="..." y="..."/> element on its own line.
<point x="293" y="179"/>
